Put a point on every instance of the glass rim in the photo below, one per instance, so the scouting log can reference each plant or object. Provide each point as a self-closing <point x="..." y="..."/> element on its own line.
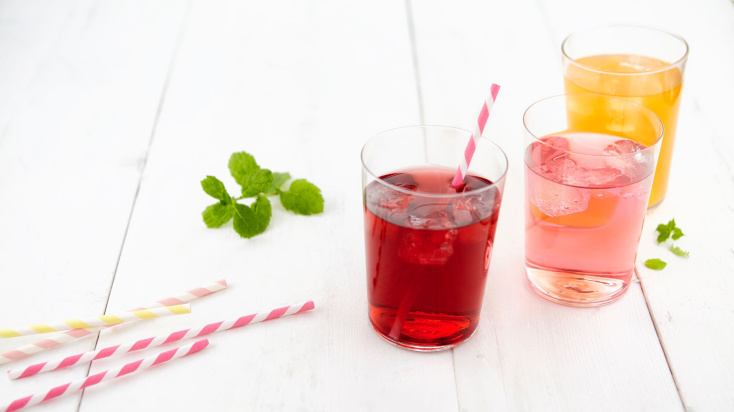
<point x="668" y="66"/>
<point x="493" y="184"/>
<point x="652" y="146"/>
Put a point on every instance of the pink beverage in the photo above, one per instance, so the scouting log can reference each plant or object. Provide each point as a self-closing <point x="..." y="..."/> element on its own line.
<point x="586" y="198"/>
<point x="427" y="252"/>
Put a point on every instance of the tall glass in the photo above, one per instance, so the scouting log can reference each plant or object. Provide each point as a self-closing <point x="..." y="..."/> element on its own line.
<point x="589" y="167"/>
<point x="428" y="245"/>
<point x="640" y="64"/>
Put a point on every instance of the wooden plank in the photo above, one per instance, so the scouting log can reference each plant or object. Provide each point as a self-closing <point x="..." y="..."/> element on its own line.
<point x="300" y="85"/>
<point x="529" y="354"/>
<point x="79" y="88"/>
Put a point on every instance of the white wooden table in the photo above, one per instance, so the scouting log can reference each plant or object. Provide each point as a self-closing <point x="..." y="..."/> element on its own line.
<point x="111" y="112"/>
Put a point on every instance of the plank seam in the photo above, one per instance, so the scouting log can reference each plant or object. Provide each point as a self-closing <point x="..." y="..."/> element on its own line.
<point x="660" y="339"/>
<point x="414" y="59"/>
<point x="161" y="102"/>
<point x="456" y="380"/>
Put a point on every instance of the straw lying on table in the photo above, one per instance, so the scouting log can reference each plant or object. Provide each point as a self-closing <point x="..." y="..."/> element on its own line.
<point x="188" y="296"/>
<point x="102" y="320"/>
<point x="68" y="336"/>
<point x="159" y="340"/>
<point x="131" y="367"/>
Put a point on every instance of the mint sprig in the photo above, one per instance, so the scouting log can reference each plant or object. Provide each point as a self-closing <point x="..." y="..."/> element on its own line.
<point x="667" y="231"/>
<point x="302" y="197"/>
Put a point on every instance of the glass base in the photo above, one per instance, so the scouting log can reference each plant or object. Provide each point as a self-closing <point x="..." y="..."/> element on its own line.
<point x="419" y="348"/>
<point x="578" y="289"/>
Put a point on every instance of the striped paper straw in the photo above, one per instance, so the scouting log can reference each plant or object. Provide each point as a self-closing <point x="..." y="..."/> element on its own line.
<point x="68" y="336"/>
<point x="105" y="376"/>
<point x="187" y="296"/>
<point x="158" y="340"/>
<point x="43" y="344"/>
<point x="476" y="135"/>
<point x="102" y="320"/>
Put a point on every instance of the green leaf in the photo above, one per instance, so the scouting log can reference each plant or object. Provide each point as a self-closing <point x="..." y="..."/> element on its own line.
<point x="217" y="214"/>
<point x="263" y="210"/>
<point x="248" y="223"/>
<point x="303" y="198"/>
<point x="678" y="251"/>
<point x="257" y="183"/>
<point x="677" y="233"/>
<point x="215" y="188"/>
<point x="279" y="180"/>
<point x="655" y="264"/>
<point x="241" y="165"/>
<point x="664" y="230"/>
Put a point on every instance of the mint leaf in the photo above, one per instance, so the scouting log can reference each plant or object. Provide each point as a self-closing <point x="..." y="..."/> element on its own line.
<point x="279" y="180"/>
<point x="677" y="233"/>
<point x="257" y="182"/>
<point x="248" y="223"/>
<point x="215" y="188"/>
<point x="655" y="264"/>
<point x="678" y="251"/>
<point x="303" y="198"/>
<point x="241" y="165"/>
<point x="664" y="230"/>
<point x="263" y="210"/>
<point x="217" y="214"/>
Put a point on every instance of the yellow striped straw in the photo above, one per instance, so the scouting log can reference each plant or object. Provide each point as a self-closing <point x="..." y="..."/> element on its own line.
<point x="103" y="320"/>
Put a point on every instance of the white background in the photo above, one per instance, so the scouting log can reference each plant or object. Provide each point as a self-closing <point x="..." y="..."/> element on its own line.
<point x="111" y="112"/>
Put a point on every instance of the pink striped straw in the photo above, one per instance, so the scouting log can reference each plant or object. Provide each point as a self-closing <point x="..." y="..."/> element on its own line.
<point x="68" y="336"/>
<point x="137" y="366"/>
<point x="188" y="296"/>
<point x="476" y="135"/>
<point x="159" y="340"/>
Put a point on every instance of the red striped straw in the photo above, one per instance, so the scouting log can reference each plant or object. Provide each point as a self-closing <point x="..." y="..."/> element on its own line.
<point x="68" y="336"/>
<point x="476" y="135"/>
<point x="137" y="366"/>
<point x="159" y="340"/>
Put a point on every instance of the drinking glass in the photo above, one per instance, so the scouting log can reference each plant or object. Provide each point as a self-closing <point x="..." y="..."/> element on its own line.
<point x="428" y="245"/>
<point x="640" y="64"/>
<point x="589" y="167"/>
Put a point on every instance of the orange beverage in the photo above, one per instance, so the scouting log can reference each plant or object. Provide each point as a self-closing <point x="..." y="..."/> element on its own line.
<point x="597" y="62"/>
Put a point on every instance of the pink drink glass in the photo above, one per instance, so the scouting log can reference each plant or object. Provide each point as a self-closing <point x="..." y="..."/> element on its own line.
<point x="589" y="166"/>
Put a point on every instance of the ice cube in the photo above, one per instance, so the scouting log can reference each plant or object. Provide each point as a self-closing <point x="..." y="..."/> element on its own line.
<point x="433" y="242"/>
<point x="563" y="170"/>
<point x="551" y="148"/>
<point x="604" y="177"/>
<point x="552" y="188"/>
<point x="630" y="158"/>
<point x="383" y="200"/>
<point x="430" y="216"/>
<point x="474" y="206"/>
<point x="463" y="217"/>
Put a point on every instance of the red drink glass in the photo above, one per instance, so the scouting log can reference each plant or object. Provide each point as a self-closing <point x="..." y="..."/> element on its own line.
<point x="589" y="167"/>
<point x="428" y="245"/>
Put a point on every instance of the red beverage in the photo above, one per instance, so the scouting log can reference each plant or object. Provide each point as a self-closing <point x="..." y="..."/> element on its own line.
<point x="428" y="250"/>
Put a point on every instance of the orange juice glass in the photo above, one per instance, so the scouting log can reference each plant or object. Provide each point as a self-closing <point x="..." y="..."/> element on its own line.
<point x="640" y="64"/>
